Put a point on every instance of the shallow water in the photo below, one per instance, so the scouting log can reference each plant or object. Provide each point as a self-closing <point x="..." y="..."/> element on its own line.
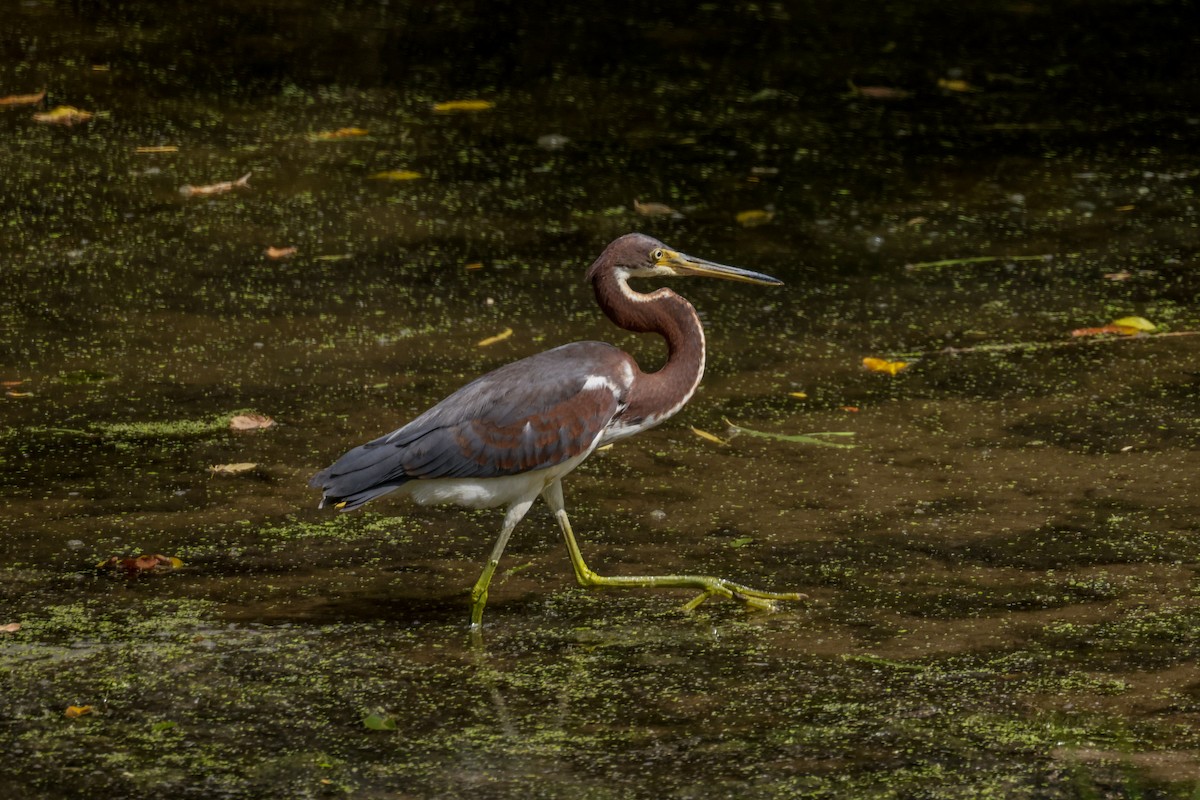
<point x="1002" y="572"/>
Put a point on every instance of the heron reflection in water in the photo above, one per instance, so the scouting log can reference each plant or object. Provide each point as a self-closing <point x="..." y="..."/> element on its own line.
<point x="515" y="433"/>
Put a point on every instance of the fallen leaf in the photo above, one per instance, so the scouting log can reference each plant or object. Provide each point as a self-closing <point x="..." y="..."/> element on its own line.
<point x="77" y="711"/>
<point x="499" y="337"/>
<point x="453" y="106"/>
<point x="396" y="175"/>
<point x="880" y="92"/>
<point x="740" y="542"/>
<point x="11" y="393"/>
<point x="11" y="627"/>
<point x="340" y="133"/>
<point x="955" y="85"/>
<point x="143" y="563"/>
<point x="379" y="722"/>
<point x="851" y="409"/>
<point x="250" y="422"/>
<point x="158" y="148"/>
<point x="754" y="217"/>
<point x="474" y="265"/>
<point x="654" y="209"/>
<point x="710" y="437"/>
<point x="1123" y="275"/>
<point x="801" y="438"/>
<point x="1140" y="324"/>
<point x="917" y="221"/>
<point x="63" y="115"/>
<point x="10" y="384"/>
<point x="216" y="188"/>
<point x="883" y="365"/>
<point x="23" y="99"/>
<point x="232" y="469"/>
<point x="1125" y="208"/>
<point x="281" y="252"/>
<point x="798" y="395"/>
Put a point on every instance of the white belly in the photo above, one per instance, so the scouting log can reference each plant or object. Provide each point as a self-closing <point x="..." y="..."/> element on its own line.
<point x="489" y="492"/>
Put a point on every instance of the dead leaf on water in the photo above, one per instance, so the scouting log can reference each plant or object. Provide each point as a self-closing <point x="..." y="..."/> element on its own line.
<point x="340" y="133"/>
<point x="880" y="92"/>
<point x="158" y="148"/>
<point x="77" y="711"/>
<point x="11" y="627"/>
<point x="228" y="470"/>
<point x="396" y="175"/>
<point x="798" y="395"/>
<point x="188" y="190"/>
<point x="277" y="253"/>
<point x="1139" y="324"/>
<point x="956" y="85"/>
<point x="883" y="365"/>
<point x="14" y="100"/>
<point x="16" y="394"/>
<point x="1123" y="275"/>
<point x="754" y="217"/>
<point x="461" y="106"/>
<point x="63" y="115"/>
<point x="143" y="563"/>
<point x="709" y="436"/>
<point x="250" y="422"/>
<point x="654" y="209"/>
<point x="499" y="337"/>
<point x="474" y="265"/>
<point x="1125" y="326"/>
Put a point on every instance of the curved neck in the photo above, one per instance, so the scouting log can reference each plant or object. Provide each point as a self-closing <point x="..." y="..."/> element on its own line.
<point x="657" y="395"/>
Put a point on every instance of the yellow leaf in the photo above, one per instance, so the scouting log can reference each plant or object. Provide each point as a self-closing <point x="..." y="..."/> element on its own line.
<point x="23" y="99"/>
<point x="710" y="437"/>
<point x="499" y="337"/>
<point x="63" y="115"/>
<point x="955" y="85"/>
<point x="798" y="395"/>
<point x="163" y="148"/>
<point x="232" y="469"/>
<point x="396" y="175"/>
<point x="883" y="365"/>
<point x="754" y="218"/>
<point x="452" y="106"/>
<point x="340" y="133"/>
<point x="1137" y="324"/>
<point x="475" y="265"/>
<point x="77" y="711"/>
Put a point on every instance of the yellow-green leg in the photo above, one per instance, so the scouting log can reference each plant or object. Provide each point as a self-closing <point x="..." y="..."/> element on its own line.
<point x="479" y="593"/>
<point x="708" y="586"/>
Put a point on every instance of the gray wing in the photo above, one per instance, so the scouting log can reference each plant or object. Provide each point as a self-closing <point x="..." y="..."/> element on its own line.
<point x="531" y="414"/>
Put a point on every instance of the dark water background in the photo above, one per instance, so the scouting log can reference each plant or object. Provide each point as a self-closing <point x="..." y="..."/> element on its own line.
<point x="1003" y="572"/>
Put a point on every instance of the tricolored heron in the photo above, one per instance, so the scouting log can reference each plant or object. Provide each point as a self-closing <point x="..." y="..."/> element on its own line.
<point x="514" y="433"/>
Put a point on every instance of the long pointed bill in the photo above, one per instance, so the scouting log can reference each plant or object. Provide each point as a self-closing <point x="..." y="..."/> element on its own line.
<point x="682" y="264"/>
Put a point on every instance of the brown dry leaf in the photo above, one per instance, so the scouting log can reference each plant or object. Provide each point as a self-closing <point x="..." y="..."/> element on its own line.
<point x="22" y="99"/>
<point x="654" y="209"/>
<point x="340" y="133"/>
<point x="456" y="106"/>
<point x="11" y="393"/>
<point x="396" y="175"/>
<point x="63" y="115"/>
<point x="11" y="627"/>
<point x="77" y="711"/>
<point x="143" y="563"/>
<point x="499" y="337"/>
<point x="281" y="252"/>
<point x="709" y="436"/>
<point x="881" y="93"/>
<point x="216" y="188"/>
<point x="474" y="265"/>
<point x="158" y="148"/>
<point x="250" y="422"/>
<point x="754" y="217"/>
<point x="239" y="468"/>
<point x="1123" y="275"/>
<point x="883" y="365"/>
<point x="10" y="384"/>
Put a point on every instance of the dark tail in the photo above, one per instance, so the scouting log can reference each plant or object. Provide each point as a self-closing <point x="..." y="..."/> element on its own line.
<point x="359" y="476"/>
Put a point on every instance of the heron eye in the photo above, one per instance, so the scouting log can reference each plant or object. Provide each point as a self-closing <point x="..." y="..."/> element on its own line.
<point x="657" y="255"/>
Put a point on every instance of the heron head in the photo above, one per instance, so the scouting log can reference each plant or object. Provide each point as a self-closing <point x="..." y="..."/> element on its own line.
<point x="636" y="255"/>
